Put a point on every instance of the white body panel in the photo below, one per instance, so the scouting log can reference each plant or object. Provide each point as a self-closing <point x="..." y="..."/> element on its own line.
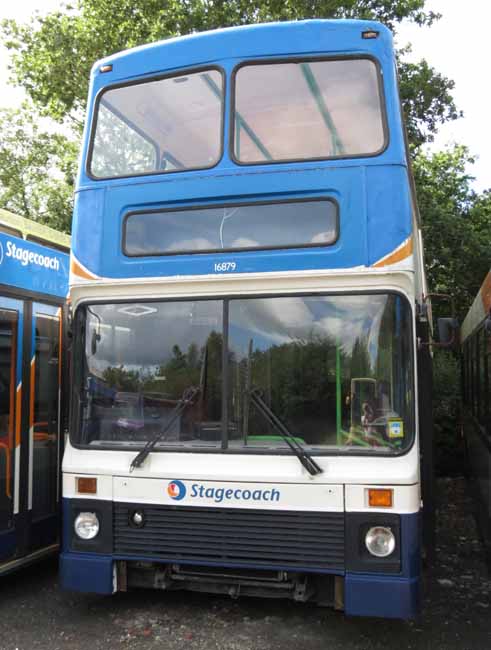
<point x="406" y="499"/>
<point x="399" y="470"/>
<point x="242" y="284"/>
<point x="342" y="485"/>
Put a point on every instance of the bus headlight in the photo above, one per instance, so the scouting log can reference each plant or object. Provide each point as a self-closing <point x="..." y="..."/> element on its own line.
<point x="86" y="525"/>
<point x="380" y="541"/>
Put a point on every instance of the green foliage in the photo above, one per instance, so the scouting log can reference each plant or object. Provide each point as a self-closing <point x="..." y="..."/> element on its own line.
<point x="426" y="99"/>
<point x="119" y="149"/>
<point x="28" y="156"/>
<point x="120" y="379"/>
<point x="456" y="225"/>
<point x="52" y="55"/>
<point x="446" y="413"/>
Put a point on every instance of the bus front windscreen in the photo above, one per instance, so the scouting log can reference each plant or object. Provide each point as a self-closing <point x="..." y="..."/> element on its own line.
<point x="337" y="370"/>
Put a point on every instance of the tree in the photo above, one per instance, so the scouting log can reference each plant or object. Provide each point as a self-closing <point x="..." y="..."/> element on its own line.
<point x="52" y="55"/>
<point x="121" y="379"/>
<point x="456" y="225"/>
<point x="426" y="99"/>
<point x="28" y="156"/>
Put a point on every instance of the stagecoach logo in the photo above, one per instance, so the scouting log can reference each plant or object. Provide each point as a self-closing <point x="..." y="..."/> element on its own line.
<point x="27" y="257"/>
<point x="176" y="490"/>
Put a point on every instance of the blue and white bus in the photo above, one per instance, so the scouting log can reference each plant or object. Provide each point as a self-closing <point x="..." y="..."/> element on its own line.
<point x="34" y="265"/>
<point x="247" y="288"/>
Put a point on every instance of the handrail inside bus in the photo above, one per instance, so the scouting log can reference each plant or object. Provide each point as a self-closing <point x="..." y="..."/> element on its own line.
<point x="241" y="122"/>
<point x="321" y="105"/>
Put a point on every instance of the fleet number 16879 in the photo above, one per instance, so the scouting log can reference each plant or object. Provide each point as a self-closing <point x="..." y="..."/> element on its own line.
<point x="224" y="266"/>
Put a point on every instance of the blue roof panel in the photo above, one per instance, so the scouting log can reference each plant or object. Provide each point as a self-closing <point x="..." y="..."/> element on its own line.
<point x="268" y="39"/>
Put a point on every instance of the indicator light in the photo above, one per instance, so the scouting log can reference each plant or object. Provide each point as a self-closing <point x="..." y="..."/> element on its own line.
<point x="378" y="498"/>
<point x="105" y="68"/>
<point x="86" y="485"/>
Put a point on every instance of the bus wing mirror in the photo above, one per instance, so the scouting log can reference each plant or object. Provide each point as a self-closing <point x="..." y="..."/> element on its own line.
<point x="447" y="328"/>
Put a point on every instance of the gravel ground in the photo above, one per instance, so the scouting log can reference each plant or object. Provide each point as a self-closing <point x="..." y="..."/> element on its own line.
<point x="35" y="614"/>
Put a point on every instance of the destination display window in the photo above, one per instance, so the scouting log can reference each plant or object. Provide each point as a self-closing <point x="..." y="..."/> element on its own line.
<point x="157" y="126"/>
<point x="308" y="109"/>
<point x="334" y="373"/>
<point x="289" y="224"/>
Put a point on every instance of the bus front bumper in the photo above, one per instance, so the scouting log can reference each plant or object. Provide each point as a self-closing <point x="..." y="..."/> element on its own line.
<point x="384" y="596"/>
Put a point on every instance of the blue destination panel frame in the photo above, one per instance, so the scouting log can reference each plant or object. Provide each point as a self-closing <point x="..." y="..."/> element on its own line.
<point x="232" y="227"/>
<point x="33" y="267"/>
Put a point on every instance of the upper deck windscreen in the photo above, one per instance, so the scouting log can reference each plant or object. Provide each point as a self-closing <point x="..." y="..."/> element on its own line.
<point x="160" y="125"/>
<point x="307" y="110"/>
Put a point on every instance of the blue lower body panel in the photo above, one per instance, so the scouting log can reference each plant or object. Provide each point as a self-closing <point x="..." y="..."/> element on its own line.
<point x="86" y="573"/>
<point x="382" y="596"/>
<point x="8" y="544"/>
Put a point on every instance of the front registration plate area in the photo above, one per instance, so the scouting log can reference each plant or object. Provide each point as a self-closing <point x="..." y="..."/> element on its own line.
<point x="226" y="494"/>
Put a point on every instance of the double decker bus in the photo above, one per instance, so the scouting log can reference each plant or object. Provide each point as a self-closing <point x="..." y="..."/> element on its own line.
<point x="476" y="375"/>
<point x="34" y="265"/>
<point x="247" y="288"/>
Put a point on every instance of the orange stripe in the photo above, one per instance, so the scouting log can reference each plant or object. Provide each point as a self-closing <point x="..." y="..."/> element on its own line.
<point x="18" y="404"/>
<point x="76" y="269"/>
<point x="398" y="255"/>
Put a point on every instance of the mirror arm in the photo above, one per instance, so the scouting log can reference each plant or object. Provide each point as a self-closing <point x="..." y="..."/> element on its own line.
<point x="423" y="314"/>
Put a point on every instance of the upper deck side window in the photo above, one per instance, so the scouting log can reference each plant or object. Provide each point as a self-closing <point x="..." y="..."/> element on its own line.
<point x="308" y="109"/>
<point x="160" y="125"/>
<point x="48" y="244"/>
<point x="8" y="230"/>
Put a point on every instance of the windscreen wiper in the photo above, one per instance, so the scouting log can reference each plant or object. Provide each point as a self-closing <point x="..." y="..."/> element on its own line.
<point x="186" y="400"/>
<point x="307" y="461"/>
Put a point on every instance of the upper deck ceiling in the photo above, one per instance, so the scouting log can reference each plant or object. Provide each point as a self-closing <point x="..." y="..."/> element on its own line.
<point x="251" y="41"/>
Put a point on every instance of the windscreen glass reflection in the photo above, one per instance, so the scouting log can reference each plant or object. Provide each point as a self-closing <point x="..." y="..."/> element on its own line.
<point x="139" y="359"/>
<point x="336" y="370"/>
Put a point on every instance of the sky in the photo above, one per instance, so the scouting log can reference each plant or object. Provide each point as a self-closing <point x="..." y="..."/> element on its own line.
<point x="456" y="46"/>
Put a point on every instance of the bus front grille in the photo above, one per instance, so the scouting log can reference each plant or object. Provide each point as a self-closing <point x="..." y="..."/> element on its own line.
<point x="232" y="537"/>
